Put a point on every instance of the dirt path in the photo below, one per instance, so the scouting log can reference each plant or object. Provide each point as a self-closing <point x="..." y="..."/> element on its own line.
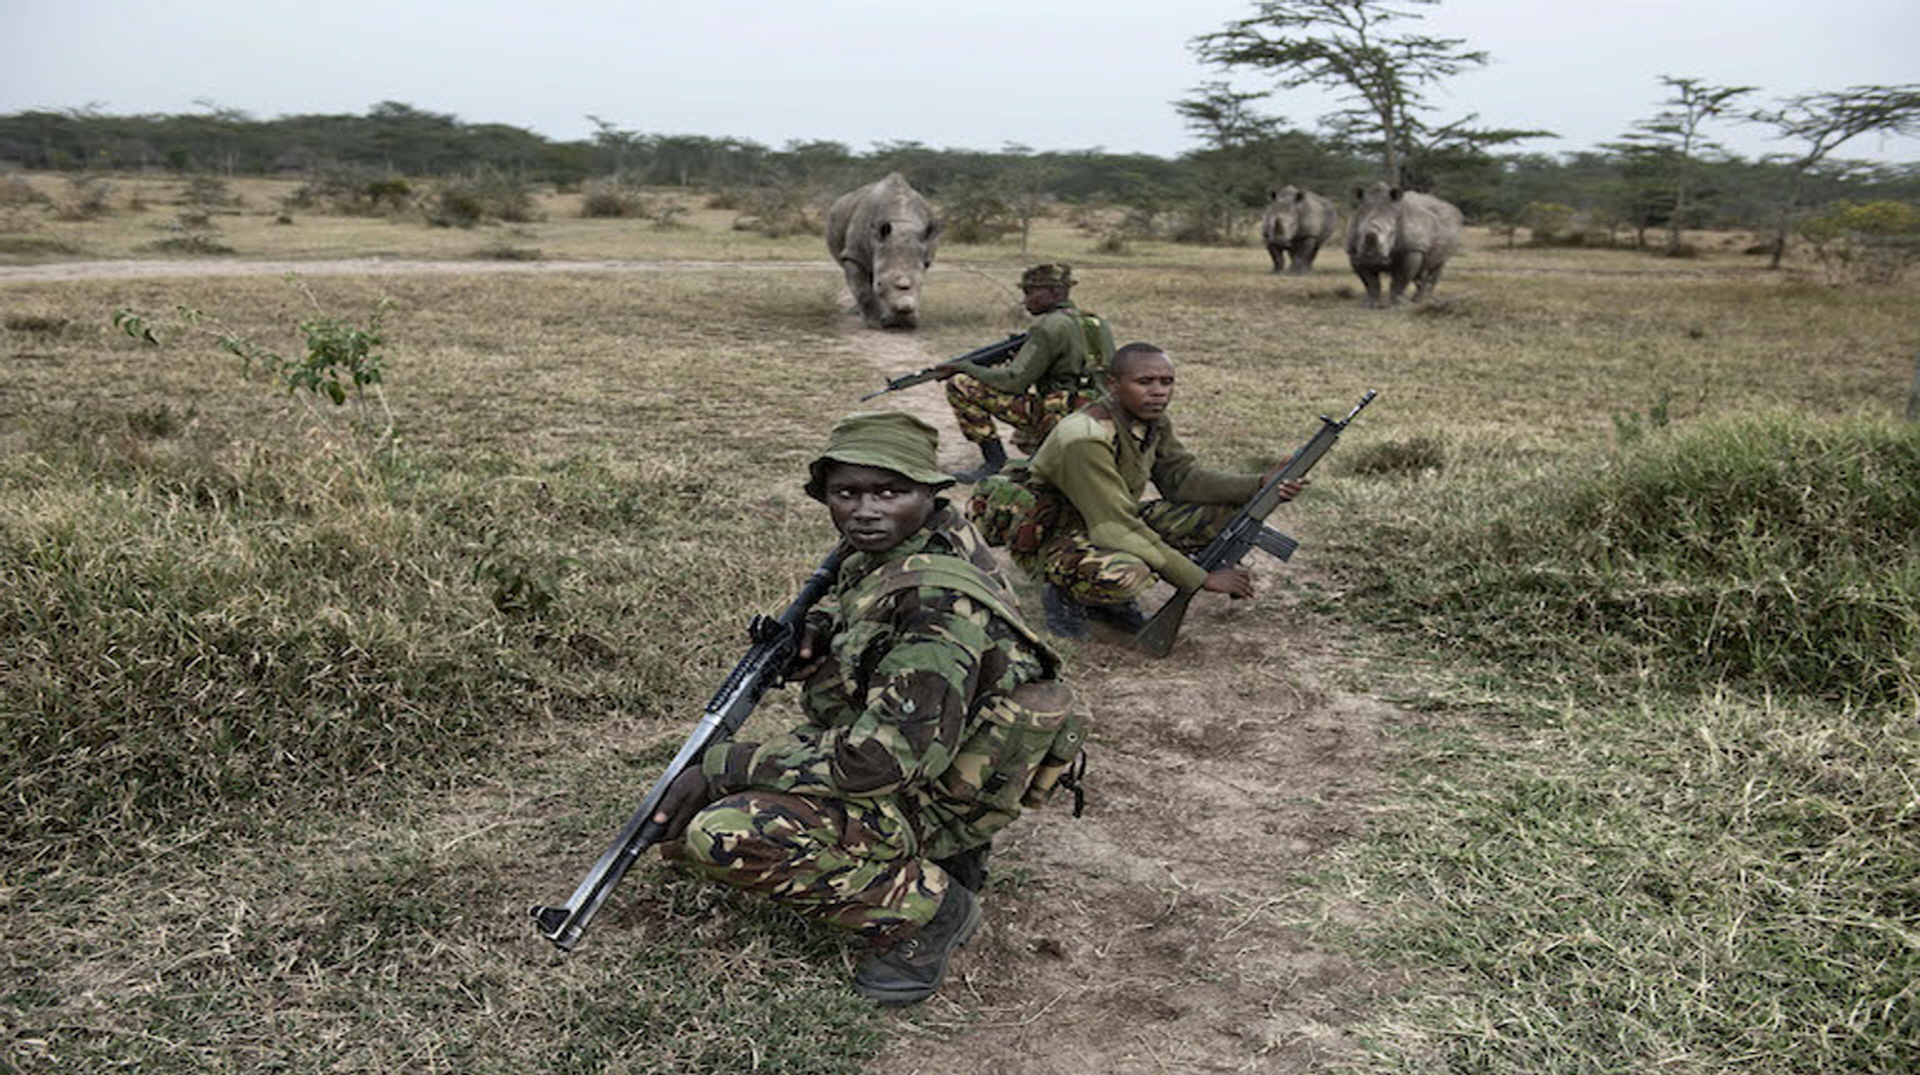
<point x="115" y="270"/>
<point x="1147" y="936"/>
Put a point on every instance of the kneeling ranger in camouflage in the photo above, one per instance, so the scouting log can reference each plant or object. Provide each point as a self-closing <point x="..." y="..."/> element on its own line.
<point x="1098" y="547"/>
<point x="1056" y="372"/>
<point x="933" y="716"/>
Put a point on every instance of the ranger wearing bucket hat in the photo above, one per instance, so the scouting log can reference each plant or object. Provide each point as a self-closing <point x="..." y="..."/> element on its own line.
<point x="1056" y="372"/>
<point x="860" y="817"/>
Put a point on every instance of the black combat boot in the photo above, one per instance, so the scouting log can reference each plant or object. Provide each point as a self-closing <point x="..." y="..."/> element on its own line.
<point x="969" y="867"/>
<point x="1065" y="616"/>
<point x="1124" y="616"/>
<point x="909" y="972"/>
<point x="993" y="456"/>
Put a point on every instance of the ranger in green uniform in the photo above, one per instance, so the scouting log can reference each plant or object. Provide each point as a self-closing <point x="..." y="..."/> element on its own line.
<point x="1102" y="547"/>
<point x="1056" y="372"/>
<point x="933" y="716"/>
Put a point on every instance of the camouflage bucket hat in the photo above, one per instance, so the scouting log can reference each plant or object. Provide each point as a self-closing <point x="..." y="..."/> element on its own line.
<point x="1050" y="274"/>
<point x="890" y="440"/>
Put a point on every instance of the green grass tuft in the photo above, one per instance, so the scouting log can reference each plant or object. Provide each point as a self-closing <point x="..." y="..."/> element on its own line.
<point x="1775" y="552"/>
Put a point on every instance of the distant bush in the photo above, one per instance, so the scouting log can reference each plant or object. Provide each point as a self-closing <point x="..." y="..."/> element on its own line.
<point x="603" y="199"/>
<point x="977" y="212"/>
<point x="208" y="193"/>
<point x="487" y="195"/>
<point x="1775" y="552"/>
<point x="86" y="199"/>
<point x="346" y="191"/>
<point x="777" y="212"/>
<point x="16" y="193"/>
<point x="191" y="232"/>
<point x="1874" y="243"/>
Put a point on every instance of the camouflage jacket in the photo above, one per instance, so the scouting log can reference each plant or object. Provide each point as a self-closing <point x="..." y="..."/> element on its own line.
<point x="1102" y="459"/>
<point x="907" y="670"/>
<point x="1065" y="348"/>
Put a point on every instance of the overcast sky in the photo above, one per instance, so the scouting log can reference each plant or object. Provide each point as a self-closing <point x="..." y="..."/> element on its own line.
<point x="1070" y="74"/>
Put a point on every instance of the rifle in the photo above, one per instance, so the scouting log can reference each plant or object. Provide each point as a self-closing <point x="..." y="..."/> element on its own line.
<point x="991" y="355"/>
<point x="775" y="641"/>
<point x="1244" y="532"/>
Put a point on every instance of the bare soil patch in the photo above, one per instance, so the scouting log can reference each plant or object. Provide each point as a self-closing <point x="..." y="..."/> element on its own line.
<point x="1149" y="935"/>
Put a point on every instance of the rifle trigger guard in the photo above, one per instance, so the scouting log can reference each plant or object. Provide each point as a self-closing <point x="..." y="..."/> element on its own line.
<point x="762" y="629"/>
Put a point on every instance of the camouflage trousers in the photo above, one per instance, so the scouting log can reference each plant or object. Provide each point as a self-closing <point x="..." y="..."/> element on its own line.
<point x="1092" y="575"/>
<point x="850" y="863"/>
<point x="1031" y="415"/>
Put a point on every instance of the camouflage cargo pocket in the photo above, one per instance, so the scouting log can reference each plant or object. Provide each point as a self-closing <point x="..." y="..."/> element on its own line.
<point x="1009" y="512"/>
<point x="1019" y="748"/>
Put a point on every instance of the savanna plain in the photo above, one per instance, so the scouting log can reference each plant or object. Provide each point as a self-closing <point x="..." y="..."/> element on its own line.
<point x="1580" y="736"/>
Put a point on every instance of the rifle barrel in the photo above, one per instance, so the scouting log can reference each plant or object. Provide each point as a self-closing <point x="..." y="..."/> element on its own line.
<point x="774" y="642"/>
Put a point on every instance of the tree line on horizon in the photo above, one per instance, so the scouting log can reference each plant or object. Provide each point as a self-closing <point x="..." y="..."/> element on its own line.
<point x="1230" y="173"/>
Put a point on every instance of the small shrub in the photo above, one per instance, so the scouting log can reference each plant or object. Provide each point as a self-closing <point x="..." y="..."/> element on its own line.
<point x="605" y="200"/>
<point x="350" y="191"/>
<point x="666" y="217"/>
<point x="778" y="212"/>
<point x="489" y="195"/>
<point x="977" y="212"/>
<point x="86" y="199"/>
<point x="16" y="193"/>
<point x="193" y="232"/>
<point x="207" y="193"/>
<point x="1550" y="224"/>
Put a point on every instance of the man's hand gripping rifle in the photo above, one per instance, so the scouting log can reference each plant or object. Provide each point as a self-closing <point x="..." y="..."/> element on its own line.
<point x="775" y="641"/>
<point x="1246" y="531"/>
<point x="992" y="354"/>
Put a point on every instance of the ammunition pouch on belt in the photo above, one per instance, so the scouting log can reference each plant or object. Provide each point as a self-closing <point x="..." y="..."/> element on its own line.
<point x="1023" y="746"/>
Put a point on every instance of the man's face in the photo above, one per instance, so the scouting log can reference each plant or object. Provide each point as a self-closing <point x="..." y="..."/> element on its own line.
<point x="1039" y="298"/>
<point x="1144" y="386"/>
<point x="873" y="508"/>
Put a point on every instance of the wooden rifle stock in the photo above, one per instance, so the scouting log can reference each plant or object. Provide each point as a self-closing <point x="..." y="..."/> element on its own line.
<point x="1247" y="530"/>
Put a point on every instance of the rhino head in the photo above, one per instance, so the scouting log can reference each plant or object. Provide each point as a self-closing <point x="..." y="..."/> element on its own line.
<point x="902" y="252"/>
<point x="1376" y="221"/>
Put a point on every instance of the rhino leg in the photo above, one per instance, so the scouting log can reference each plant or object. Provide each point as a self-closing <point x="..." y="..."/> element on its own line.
<point x="860" y="284"/>
<point x="1370" y="278"/>
<point x="1424" y="284"/>
<point x="1406" y="268"/>
<point x="1304" y="252"/>
<point x="1279" y="255"/>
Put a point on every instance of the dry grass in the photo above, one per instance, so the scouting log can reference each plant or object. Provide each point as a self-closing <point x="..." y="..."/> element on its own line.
<point x="384" y="932"/>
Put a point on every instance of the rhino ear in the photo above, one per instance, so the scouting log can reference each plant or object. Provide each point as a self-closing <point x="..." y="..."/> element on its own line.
<point x="1273" y="195"/>
<point x="932" y="232"/>
<point x="885" y="228"/>
<point x="1299" y="195"/>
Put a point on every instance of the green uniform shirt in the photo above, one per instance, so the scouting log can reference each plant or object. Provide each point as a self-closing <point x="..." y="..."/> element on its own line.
<point x="889" y="707"/>
<point x="1056" y="354"/>
<point x="1102" y="464"/>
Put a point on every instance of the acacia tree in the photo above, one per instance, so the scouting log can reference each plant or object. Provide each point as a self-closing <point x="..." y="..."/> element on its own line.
<point x="1234" y="169"/>
<point x="1672" y="142"/>
<point x="1349" y="47"/>
<point x="1826" y="121"/>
